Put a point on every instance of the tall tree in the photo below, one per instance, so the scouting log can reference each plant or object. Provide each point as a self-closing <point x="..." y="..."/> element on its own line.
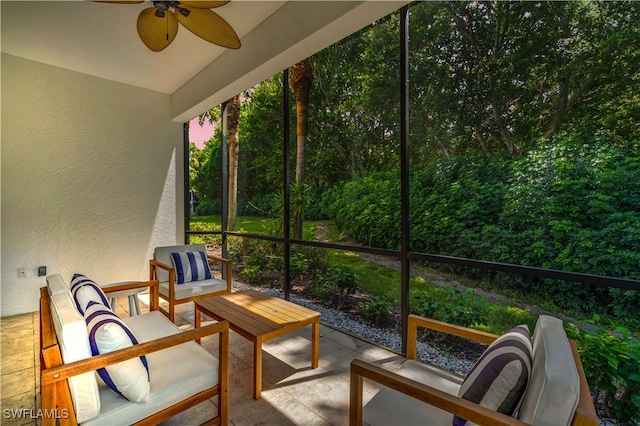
<point x="504" y="74"/>
<point x="233" y="122"/>
<point x="301" y="82"/>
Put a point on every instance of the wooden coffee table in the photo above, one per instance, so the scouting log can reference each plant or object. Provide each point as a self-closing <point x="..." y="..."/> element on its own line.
<point x="259" y="317"/>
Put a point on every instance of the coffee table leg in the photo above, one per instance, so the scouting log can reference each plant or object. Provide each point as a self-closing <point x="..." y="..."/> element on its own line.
<point x="257" y="369"/>
<point x="198" y="320"/>
<point x="315" y="344"/>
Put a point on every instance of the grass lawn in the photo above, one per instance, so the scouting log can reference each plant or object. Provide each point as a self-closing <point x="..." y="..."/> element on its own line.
<point x="382" y="278"/>
<point x="263" y="226"/>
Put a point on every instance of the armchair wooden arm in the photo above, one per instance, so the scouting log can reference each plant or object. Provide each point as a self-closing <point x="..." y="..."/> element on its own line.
<point x="155" y="264"/>
<point x="227" y="265"/>
<point x="153" y="275"/>
<point x="455" y="330"/>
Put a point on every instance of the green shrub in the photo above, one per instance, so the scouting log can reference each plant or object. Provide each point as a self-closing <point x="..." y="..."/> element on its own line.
<point x="612" y="366"/>
<point x="208" y="208"/>
<point x="337" y="282"/>
<point x="450" y="305"/>
<point x="322" y="290"/>
<point x="368" y="209"/>
<point x="377" y="310"/>
<point x="215" y="239"/>
<point x="298" y="264"/>
<point x="571" y="203"/>
<point x="252" y="273"/>
<point x="261" y="205"/>
<point x="249" y="251"/>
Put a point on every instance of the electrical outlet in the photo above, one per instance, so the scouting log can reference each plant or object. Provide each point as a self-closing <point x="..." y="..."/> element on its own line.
<point x="22" y="272"/>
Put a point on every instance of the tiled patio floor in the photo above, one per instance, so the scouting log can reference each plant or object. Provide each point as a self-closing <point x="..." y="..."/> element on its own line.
<point x="293" y="393"/>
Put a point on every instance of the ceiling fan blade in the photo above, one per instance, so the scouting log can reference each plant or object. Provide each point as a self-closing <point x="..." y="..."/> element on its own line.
<point x="204" y="4"/>
<point x="209" y="26"/>
<point x="157" y="33"/>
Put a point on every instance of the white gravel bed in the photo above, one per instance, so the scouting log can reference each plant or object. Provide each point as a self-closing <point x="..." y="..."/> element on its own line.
<point x="383" y="337"/>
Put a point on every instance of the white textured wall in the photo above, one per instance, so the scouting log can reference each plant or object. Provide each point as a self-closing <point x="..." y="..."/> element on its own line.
<point x="91" y="178"/>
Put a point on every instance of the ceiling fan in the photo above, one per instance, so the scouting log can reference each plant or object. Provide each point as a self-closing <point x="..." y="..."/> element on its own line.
<point x="158" y="25"/>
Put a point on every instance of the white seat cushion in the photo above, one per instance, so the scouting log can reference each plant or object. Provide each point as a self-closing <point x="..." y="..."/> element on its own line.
<point x="554" y="388"/>
<point x="73" y="338"/>
<point x="389" y="407"/>
<point x="192" y="369"/>
<point x="194" y="288"/>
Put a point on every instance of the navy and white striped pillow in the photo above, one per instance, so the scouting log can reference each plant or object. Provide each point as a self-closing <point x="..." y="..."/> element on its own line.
<point x="84" y="291"/>
<point x="500" y="377"/>
<point x="191" y="266"/>
<point x="107" y="333"/>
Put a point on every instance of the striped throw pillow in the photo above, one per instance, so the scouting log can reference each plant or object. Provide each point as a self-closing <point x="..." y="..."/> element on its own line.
<point x="84" y="291"/>
<point x="499" y="378"/>
<point x="107" y="333"/>
<point x="191" y="266"/>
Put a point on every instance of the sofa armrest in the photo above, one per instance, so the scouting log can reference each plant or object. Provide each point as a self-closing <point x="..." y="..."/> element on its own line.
<point x="154" y="291"/>
<point x="63" y="372"/>
<point x="415" y="321"/>
<point x="460" y="407"/>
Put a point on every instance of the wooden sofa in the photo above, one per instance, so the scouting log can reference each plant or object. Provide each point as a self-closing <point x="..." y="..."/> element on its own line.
<point x="419" y="393"/>
<point x="180" y="377"/>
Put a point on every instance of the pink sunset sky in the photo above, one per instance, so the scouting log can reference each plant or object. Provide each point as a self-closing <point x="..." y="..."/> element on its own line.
<point x="199" y="135"/>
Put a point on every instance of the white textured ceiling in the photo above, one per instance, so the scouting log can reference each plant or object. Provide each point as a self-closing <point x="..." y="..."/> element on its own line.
<point x="100" y="39"/>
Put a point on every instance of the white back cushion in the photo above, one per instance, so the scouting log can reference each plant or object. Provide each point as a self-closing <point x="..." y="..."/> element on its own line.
<point x="163" y="254"/>
<point x="554" y="388"/>
<point x="74" y="346"/>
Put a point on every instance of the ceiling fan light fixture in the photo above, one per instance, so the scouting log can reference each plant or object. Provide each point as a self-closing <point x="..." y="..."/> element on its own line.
<point x="161" y="5"/>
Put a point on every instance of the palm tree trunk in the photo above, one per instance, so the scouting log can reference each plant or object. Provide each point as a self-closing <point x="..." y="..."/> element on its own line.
<point x="301" y="81"/>
<point x="233" y="117"/>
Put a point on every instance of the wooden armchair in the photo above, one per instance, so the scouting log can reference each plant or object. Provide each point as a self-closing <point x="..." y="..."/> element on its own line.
<point x="161" y="269"/>
<point x="430" y="396"/>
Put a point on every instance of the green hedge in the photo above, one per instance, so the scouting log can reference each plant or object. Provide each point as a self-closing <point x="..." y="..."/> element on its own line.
<point x="571" y="204"/>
